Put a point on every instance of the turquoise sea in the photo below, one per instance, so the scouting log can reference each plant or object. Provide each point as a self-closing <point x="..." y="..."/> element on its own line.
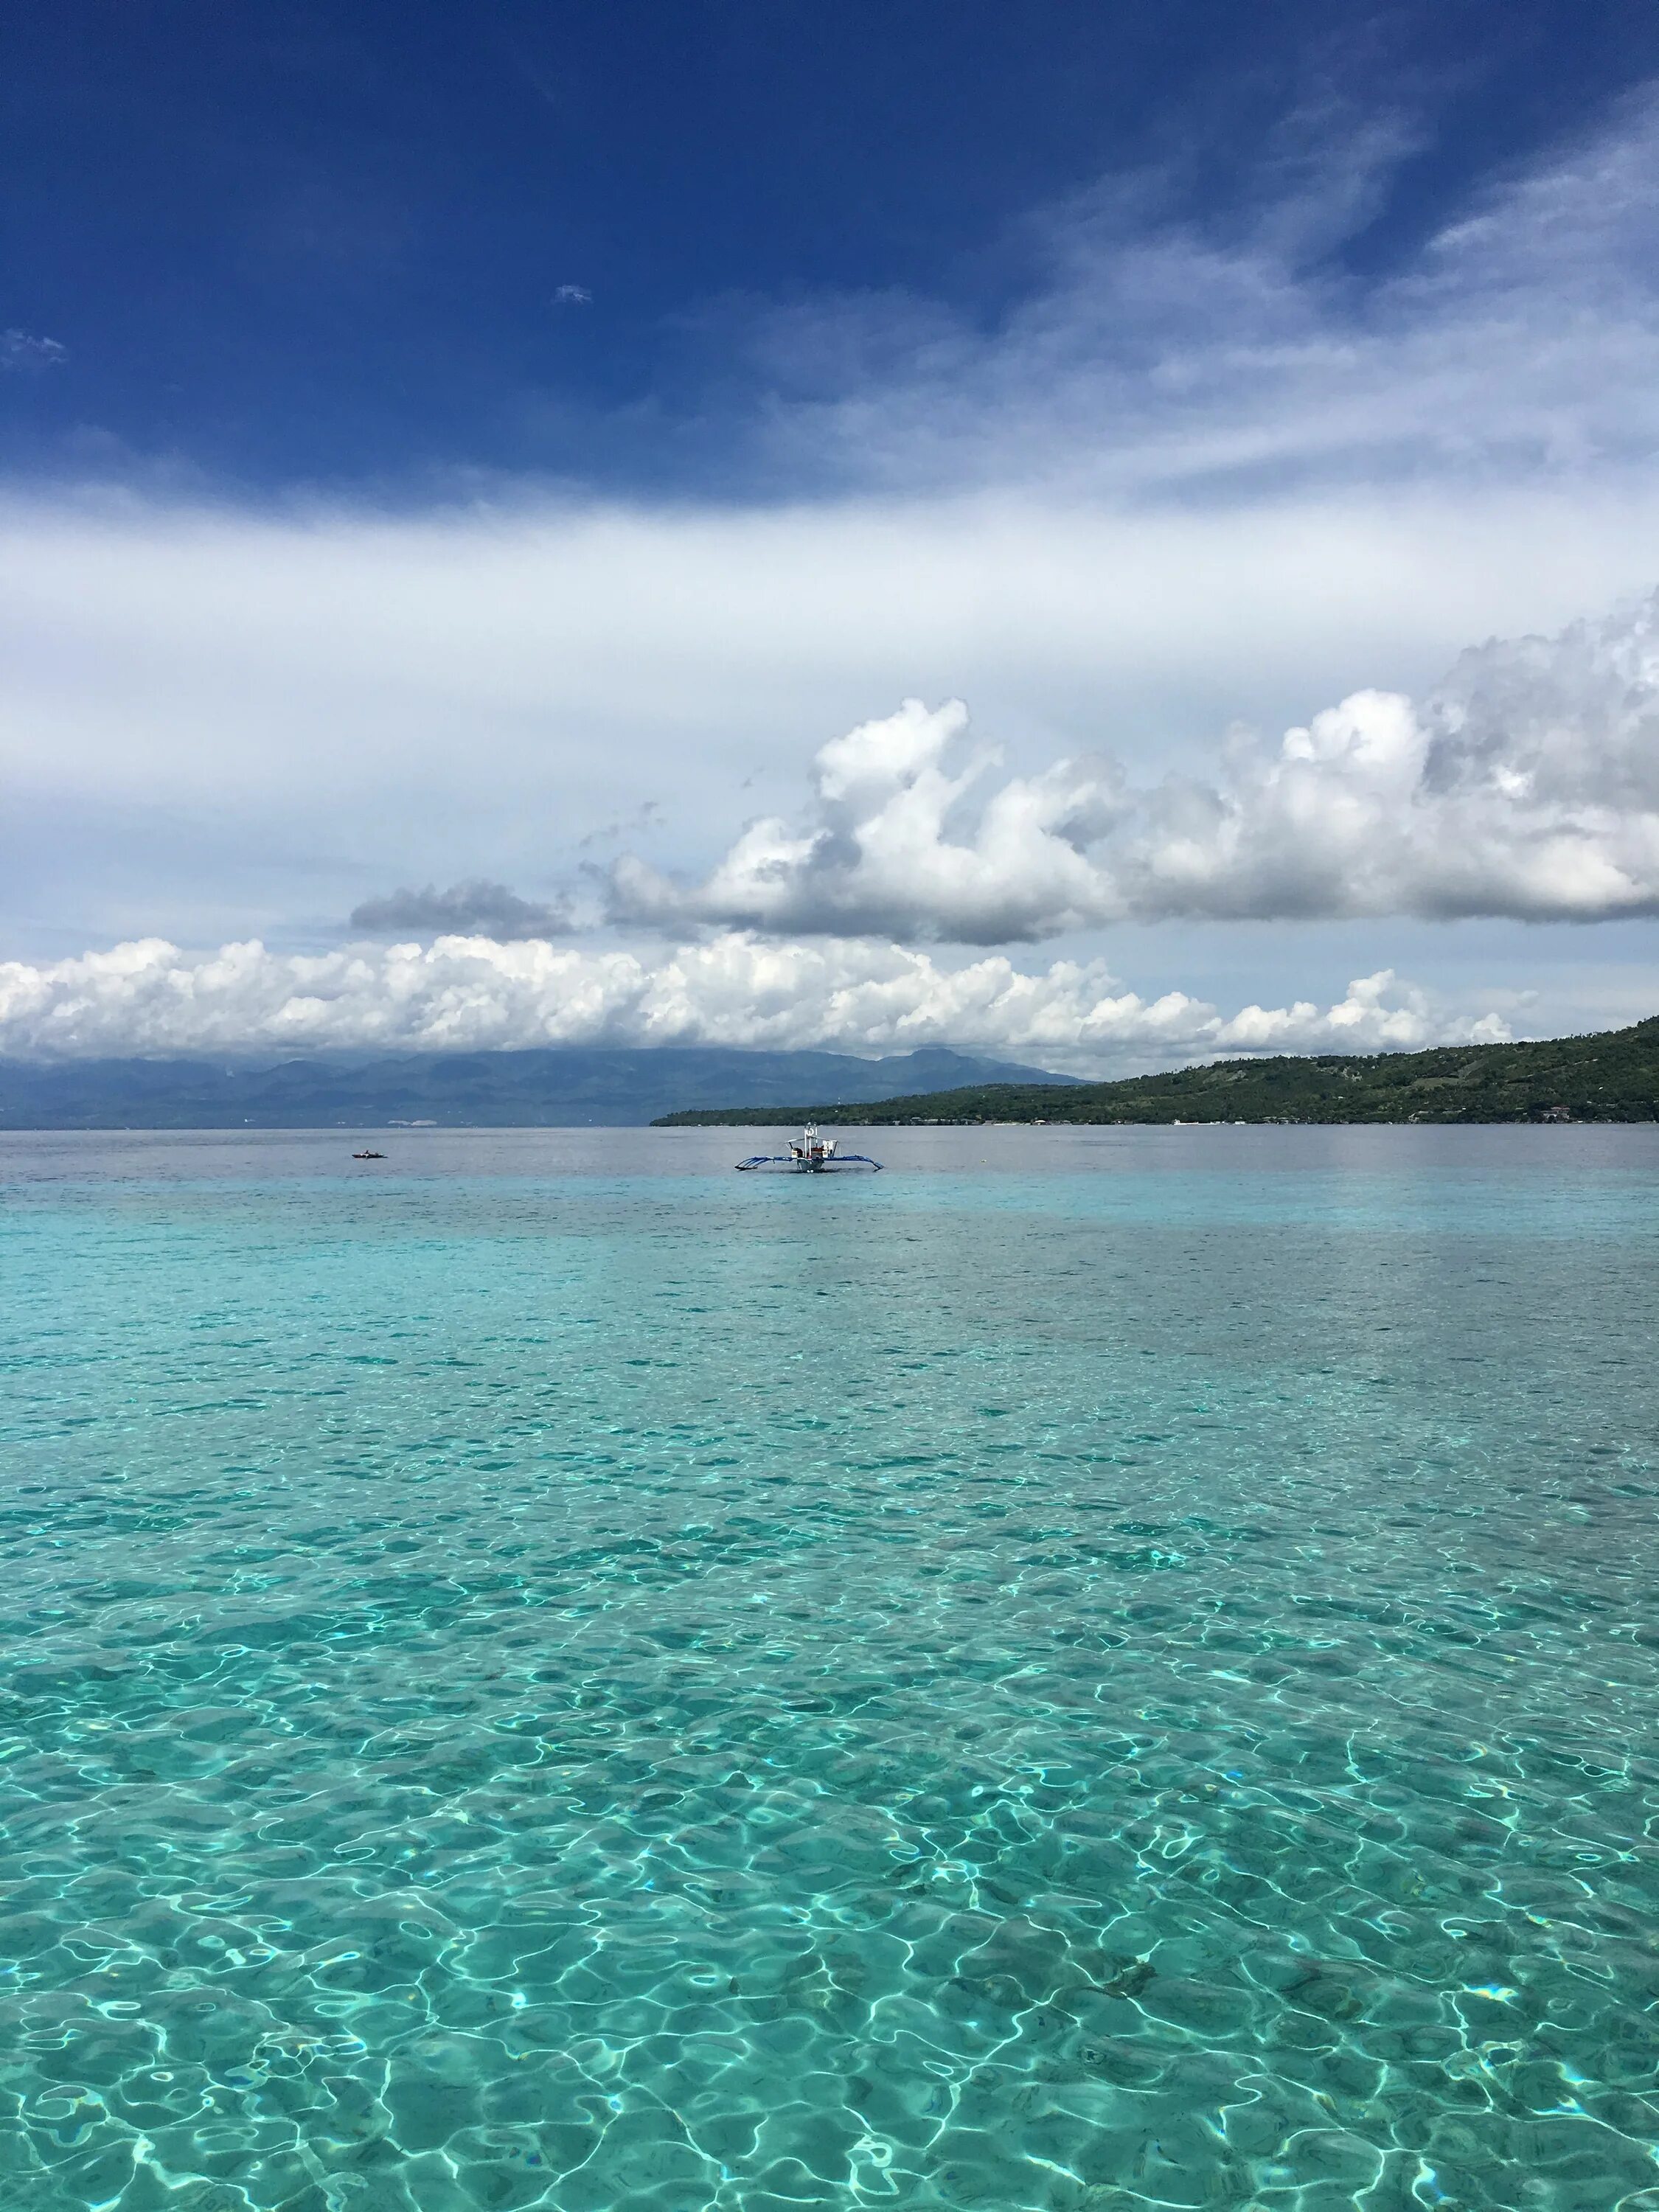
<point x="1094" y="1670"/>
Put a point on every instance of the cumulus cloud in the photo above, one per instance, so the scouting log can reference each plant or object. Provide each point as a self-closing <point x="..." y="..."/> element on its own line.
<point x="1526" y="786"/>
<point x="473" y="994"/>
<point x="334" y="691"/>
<point x="480" y="907"/>
<point x="878" y="855"/>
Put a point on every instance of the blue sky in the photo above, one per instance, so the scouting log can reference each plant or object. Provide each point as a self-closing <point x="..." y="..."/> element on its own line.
<point x="444" y="447"/>
<point x="325" y="244"/>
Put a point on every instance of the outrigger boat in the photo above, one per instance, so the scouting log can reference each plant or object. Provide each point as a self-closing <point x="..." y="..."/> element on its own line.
<point x="810" y="1154"/>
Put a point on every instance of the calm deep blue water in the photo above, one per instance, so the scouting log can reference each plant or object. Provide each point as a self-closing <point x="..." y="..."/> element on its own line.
<point x="1093" y="1670"/>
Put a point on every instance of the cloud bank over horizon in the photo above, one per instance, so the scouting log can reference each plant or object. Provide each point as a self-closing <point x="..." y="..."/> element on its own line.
<point x="472" y="993"/>
<point x="1526" y="786"/>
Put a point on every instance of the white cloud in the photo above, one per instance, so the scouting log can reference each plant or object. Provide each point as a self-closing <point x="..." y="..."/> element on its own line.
<point x="1156" y="358"/>
<point x="1190" y="478"/>
<point x="472" y="993"/>
<point x="1527" y="786"/>
<point x="376" y="700"/>
<point x="878" y="856"/>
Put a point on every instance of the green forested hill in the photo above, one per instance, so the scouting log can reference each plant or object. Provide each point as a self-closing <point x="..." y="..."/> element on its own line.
<point x="1613" y="1077"/>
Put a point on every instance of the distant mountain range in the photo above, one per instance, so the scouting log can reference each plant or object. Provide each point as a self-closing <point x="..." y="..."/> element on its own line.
<point x="1612" y="1077"/>
<point x="560" y="1087"/>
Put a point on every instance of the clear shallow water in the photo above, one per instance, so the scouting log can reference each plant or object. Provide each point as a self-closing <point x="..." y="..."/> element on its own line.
<point x="1094" y="1670"/>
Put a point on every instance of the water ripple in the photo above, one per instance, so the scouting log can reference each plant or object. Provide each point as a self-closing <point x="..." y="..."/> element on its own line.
<point x="581" y="1685"/>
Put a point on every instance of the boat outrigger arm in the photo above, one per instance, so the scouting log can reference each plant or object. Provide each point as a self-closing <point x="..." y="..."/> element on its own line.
<point x="810" y="1154"/>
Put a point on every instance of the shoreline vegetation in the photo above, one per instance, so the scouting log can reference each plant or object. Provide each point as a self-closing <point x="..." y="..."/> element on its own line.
<point x="1613" y="1076"/>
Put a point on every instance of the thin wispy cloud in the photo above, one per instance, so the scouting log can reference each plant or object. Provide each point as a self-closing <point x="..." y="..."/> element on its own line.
<point x="647" y="815"/>
<point x="572" y="295"/>
<point x="22" y="351"/>
<point x="1156" y="356"/>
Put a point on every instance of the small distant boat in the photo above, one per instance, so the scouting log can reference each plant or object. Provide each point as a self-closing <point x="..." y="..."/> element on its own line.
<point x="810" y="1153"/>
<point x="368" y="1156"/>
